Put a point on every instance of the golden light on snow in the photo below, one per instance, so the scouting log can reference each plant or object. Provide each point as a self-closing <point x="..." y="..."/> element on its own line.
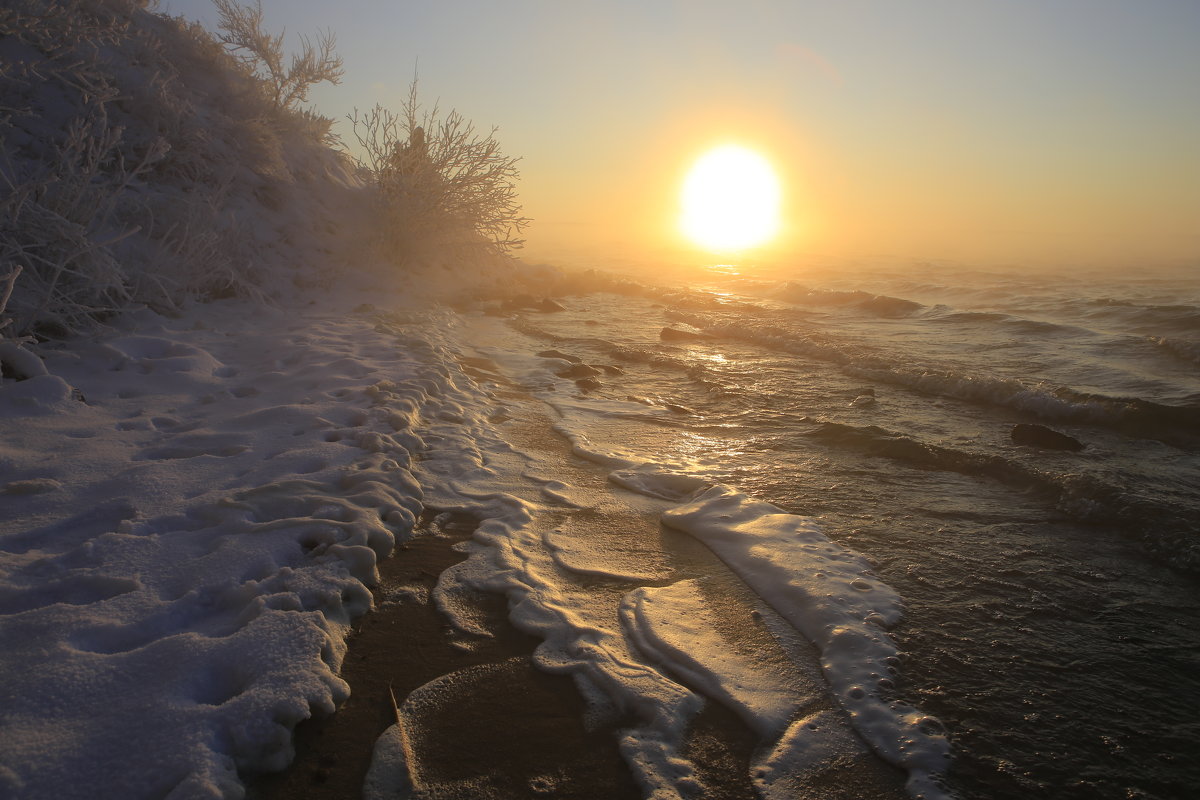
<point x="730" y="200"/>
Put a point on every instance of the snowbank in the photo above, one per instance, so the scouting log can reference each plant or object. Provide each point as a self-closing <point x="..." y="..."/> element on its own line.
<point x="191" y="511"/>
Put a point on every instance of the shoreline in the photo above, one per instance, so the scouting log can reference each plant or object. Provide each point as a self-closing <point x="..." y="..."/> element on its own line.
<point x="406" y="643"/>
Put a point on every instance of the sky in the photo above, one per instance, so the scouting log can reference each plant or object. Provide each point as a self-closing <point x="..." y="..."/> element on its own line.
<point x="1056" y="132"/>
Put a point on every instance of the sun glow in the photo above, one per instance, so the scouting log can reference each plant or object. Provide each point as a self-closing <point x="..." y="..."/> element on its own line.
<point x="730" y="200"/>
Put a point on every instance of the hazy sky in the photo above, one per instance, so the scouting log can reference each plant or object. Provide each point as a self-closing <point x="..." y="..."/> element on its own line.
<point x="1044" y="130"/>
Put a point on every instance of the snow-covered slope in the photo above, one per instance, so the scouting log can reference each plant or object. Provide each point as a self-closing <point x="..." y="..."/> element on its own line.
<point x="190" y="515"/>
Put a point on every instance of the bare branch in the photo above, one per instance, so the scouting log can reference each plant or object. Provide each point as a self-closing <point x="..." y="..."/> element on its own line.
<point x="241" y="30"/>
<point x="441" y="180"/>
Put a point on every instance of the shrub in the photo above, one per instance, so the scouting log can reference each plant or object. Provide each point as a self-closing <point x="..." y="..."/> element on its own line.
<point x="63" y="168"/>
<point x="128" y="140"/>
<point x="443" y="185"/>
<point x="242" y="31"/>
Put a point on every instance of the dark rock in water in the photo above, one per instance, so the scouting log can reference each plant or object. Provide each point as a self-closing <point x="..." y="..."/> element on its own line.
<point x="674" y="335"/>
<point x="560" y="354"/>
<point x="578" y="371"/>
<point x="549" y="305"/>
<point x="587" y="384"/>
<point x="1041" y="436"/>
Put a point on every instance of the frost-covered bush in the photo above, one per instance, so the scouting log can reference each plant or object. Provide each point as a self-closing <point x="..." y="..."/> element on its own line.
<point x="62" y="171"/>
<point x="146" y="162"/>
<point x="132" y="147"/>
<point x="443" y="186"/>
<point x="241" y="29"/>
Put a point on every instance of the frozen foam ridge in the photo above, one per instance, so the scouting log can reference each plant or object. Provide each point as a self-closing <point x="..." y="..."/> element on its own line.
<point x="507" y="556"/>
<point x="830" y="596"/>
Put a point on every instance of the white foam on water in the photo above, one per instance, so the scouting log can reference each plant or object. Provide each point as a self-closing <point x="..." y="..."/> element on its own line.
<point x="655" y="482"/>
<point x="828" y="594"/>
<point x="674" y="626"/>
<point x="576" y="551"/>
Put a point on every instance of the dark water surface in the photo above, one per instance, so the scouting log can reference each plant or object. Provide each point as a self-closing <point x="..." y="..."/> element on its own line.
<point x="1052" y="595"/>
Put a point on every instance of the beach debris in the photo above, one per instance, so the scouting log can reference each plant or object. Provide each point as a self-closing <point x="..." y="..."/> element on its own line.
<point x="395" y="705"/>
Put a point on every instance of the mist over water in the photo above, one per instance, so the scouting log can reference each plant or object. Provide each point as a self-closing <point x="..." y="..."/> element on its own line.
<point x="1051" y="594"/>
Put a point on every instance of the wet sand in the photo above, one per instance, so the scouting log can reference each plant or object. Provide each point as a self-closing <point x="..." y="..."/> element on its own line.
<point x="504" y="725"/>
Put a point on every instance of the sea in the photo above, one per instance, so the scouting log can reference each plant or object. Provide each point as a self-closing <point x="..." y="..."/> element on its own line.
<point x="1048" y="585"/>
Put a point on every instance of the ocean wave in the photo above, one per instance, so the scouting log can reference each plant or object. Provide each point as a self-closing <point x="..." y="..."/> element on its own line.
<point x="878" y="305"/>
<point x="1008" y="324"/>
<point x="1183" y="349"/>
<point x="943" y="313"/>
<point x="1038" y="327"/>
<point x="876" y="441"/>
<point x="1107" y="302"/>
<point x="1167" y="528"/>
<point x="650" y="356"/>
<point x="1179" y="318"/>
<point x="1132" y="416"/>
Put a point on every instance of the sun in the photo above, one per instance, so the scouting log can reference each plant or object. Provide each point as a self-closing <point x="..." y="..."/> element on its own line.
<point x="730" y="200"/>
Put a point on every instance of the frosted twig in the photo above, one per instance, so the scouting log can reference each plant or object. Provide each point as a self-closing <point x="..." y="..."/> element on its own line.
<point x="10" y="280"/>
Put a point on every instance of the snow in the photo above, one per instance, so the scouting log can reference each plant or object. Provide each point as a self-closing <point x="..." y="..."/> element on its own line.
<point x="190" y="516"/>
